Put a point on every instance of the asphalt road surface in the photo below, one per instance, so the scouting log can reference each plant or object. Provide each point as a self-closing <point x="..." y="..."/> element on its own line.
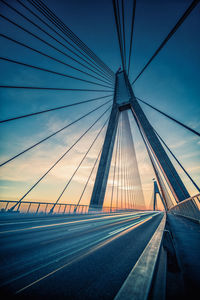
<point x="71" y="257"/>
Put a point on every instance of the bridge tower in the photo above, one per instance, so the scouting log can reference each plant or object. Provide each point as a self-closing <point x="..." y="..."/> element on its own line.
<point x="155" y="193"/>
<point x="124" y="99"/>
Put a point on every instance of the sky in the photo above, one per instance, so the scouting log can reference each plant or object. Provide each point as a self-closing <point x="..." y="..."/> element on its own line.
<point x="171" y="83"/>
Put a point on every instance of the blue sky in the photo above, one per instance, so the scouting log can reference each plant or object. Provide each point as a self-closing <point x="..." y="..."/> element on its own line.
<point x="171" y="83"/>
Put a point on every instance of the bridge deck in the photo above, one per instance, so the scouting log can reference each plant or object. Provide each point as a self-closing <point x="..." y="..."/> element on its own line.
<point x="71" y="257"/>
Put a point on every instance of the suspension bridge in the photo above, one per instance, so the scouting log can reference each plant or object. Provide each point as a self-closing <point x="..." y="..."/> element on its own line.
<point x="95" y="203"/>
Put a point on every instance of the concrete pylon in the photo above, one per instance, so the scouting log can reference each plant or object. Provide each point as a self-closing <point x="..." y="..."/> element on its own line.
<point x="105" y="160"/>
<point x="155" y="193"/>
<point x="124" y="99"/>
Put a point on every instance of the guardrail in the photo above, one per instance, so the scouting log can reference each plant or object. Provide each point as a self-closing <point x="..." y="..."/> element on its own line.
<point x="189" y="208"/>
<point x="60" y="208"/>
<point x="139" y="281"/>
<point x="41" y="207"/>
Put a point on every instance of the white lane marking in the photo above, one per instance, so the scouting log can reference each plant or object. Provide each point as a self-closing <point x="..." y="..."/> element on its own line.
<point x="79" y="227"/>
<point x="45" y="219"/>
<point x="126" y="227"/>
<point x="58" y="219"/>
<point x="63" y="223"/>
<point x="28" y="222"/>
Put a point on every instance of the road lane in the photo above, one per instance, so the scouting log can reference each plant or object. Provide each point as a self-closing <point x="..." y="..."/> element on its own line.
<point x="50" y="221"/>
<point x="24" y="242"/>
<point x="31" y="254"/>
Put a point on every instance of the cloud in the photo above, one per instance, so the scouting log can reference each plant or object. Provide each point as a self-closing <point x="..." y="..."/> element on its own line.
<point x="178" y="144"/>
<point x="37" y="163"/>
<point x="189" y="155"/>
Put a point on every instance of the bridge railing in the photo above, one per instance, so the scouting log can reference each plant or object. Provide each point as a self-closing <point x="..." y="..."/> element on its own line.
<point x="41" y="207"/>
<point x="45" y="208"/>
<point x="189" y="208"/>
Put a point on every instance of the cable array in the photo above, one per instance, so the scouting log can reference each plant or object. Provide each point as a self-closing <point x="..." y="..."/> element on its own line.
<point x="74" y="55"/>
<point x="168" y="37"/>
<point x="170" y="117"/>
<point x="125" y="189"/>
<point x="60" y="158"/>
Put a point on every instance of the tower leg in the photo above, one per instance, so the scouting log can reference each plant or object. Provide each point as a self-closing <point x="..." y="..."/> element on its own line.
<point x="104" y="164"/>
<point x="173" y="179"/>
<point x="154" y="201"/>
<point x="156" y="191"/>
